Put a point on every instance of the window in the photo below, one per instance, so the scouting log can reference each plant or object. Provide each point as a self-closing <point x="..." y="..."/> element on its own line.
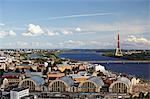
<point x="58" y="86"/>
<point x="88" y="87"/>
<point x="119" y="88"/>
<point x="28" y="83"/>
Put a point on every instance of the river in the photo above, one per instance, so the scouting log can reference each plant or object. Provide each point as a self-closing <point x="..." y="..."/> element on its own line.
<point x="139" y="70"/>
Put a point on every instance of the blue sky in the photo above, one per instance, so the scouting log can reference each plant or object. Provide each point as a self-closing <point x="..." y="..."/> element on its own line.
<point x="74" y="23"/>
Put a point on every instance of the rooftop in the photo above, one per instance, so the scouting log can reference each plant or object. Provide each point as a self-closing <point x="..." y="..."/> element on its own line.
<point x="19" y="89"/>
<point x="39" y="80"/>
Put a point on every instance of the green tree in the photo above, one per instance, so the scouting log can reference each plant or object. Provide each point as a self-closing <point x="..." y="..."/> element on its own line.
<point x="17" y="70"/>
<point x="67" y="71"/>
<point x="1" y="72"/>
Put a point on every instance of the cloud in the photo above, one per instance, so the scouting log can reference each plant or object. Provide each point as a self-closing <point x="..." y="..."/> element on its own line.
<point x="2" y="24"/>
<point x="84" y="44"/>
<point x="140" y="40"/>
<point x="7" y="33"/>
<point x="12" y="33"/>
<point x="35" y="43"/>
<point x="33" y="30"/>
<point x="22" y="44"/>
<point x="78" y="29"/>
<point x="76" y="16"/>
<point x="67" y="32"/>
<point x="123" y="27"/>
<point x="27" y="34"/>
<point x="51" y="33"/>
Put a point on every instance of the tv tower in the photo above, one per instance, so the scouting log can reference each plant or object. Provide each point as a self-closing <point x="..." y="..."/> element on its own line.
<point x="118" y="49"/>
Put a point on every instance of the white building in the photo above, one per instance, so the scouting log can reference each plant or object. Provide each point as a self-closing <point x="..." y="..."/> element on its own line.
<point x="135" y="81"/>
<point x="18" y="93"/>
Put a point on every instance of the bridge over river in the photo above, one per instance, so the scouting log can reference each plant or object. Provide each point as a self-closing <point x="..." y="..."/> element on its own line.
<point x="119" y="61"/>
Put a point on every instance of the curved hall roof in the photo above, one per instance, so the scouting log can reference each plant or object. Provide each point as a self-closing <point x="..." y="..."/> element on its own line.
<point x="67" y="80"/>
<point x="97" y="80"/>
<point x="38" y="80"/>
<point x="125" y="80"/>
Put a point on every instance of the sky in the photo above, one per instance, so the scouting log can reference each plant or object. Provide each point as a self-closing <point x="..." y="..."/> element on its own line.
<point x="74" y="24"/>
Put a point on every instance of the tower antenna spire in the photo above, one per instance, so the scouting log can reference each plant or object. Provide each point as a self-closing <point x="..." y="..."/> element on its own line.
<point x="118" y="49"/>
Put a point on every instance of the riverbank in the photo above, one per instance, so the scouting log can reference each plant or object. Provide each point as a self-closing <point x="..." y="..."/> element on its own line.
<point x="133" y="56"/>
<point x="138" y="69"/>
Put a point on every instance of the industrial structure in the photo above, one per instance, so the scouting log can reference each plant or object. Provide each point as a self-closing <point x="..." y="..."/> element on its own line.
<point x="118" y="52"/>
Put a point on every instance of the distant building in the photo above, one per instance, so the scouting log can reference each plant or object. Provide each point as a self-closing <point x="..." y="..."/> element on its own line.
<point x="54" y="75"/>
<point x="24" y="66"/>
<point x="80" y="76"/>
<point x="13" y="77"/>
<point x="135" y="81"/>
<point x="18" y="93"/>
<point x="3" y="83"/>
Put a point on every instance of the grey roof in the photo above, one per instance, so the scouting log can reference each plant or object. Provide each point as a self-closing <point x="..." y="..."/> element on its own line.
<point x="11" y="73"/>
<point x="78" y="75"/>
<point x="67" y="80"/>
<point x="19" y="89"/>
<point x="29" y="73"/>
<point x="38" y="80"/>
<point x="125" y="80"/>
<point x="97" y="81"/>
<point x="24" y="65"/>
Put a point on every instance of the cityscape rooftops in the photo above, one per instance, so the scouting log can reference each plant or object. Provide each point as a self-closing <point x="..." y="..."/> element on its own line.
<point x="11" y="74"/>
<point x="24" y="64"/>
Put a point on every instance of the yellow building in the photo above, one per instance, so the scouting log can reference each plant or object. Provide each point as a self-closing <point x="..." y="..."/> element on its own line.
<point x="13" y="77"/>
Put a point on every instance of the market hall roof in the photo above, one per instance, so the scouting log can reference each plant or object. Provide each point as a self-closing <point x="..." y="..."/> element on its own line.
<point x="97" y="80"/>
<point x="38" y="80"/>
<point x="67" y="80"/>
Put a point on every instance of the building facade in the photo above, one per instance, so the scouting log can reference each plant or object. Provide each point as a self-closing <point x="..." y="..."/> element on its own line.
<point x="62" y="85"/>
<point x="18" y="93"/>
<point x="35" y="83"/>
<point x="122" y="85"/>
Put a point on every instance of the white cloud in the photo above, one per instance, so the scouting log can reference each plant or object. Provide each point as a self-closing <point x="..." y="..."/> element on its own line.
<point x="12" y="33"/>
<point x="27" y="34"/>
<point x="75" y="16"/>
<point x="124" y="27"/>
<point x="75" y="43"/>
<point x="140" y="40"/>
<point x="33" y="30"/>
<point x="22" y="44"/>
<point x="51" y="33"/>
<point x="78" y="29"/>
<point x="84" y="44"/>
<point x="7" y="33"/>
<point x="2" y="24"/>
<point x="49" y="44"/>
<point x="35" y="43"/>
<point x="67" y="32"/>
